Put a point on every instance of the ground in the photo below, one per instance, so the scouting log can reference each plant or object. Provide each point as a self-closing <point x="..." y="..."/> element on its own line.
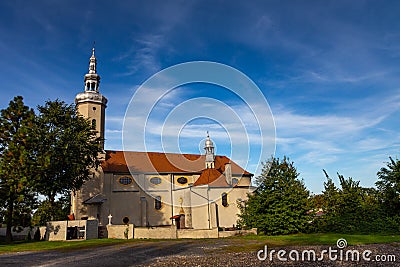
<point x="210" y="252"/>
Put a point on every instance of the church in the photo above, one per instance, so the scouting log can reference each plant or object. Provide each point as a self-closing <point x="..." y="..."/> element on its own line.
<point x="153" y="189"/>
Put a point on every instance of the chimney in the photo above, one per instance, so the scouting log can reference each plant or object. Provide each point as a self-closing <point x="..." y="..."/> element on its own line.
<point x="228" y="173"/>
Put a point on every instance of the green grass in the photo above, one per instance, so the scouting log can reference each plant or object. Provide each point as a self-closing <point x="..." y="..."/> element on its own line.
<point x="20" y="246"/>
<point x="255" y="242"/>
<point x="234" y="244"/>
<point x="322" y="239"/>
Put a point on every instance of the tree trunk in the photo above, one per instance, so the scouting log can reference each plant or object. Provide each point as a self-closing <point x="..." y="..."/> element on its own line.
<point x="9" y="220"/>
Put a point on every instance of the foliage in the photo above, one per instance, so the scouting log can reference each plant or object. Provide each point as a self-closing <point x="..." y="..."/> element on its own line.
<point x="388" y="185"/>
<point x="67" y="149"/>
<point x="280" y="203"/>
<point x="16" y="162"/>
<point x="56" y="211"/>
<point x="50" y="154"/>
<point x="346" y="209"/>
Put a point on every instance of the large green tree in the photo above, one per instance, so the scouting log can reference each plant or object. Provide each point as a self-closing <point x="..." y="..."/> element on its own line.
<point x="389" y="186"/>
<point x="280" y="203"/>
<point x="17" y="164"/>
<point x="67" y="150"/>
<point x="347" y="207"/>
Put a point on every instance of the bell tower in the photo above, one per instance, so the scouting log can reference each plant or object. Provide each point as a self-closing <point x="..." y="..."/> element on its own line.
<point x="90" y="103"/>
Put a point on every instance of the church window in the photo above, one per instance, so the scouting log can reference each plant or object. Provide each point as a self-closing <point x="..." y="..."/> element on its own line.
<point x="182" y="180"/>
<point x="94" y="108"/>
<point x="157" y="203"/>
<point x="155" y="180"/>
<point x="235" y="181"/>
<point x="93" y="124"/>
<point x="224" y="198"/>
<point x="125" y="180"/>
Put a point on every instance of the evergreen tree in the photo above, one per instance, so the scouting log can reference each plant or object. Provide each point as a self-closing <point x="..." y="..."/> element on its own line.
<point x="17" y="165"/>
<point x="280" y="203"/>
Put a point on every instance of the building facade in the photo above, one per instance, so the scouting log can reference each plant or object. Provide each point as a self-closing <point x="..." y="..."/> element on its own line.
<point x="157" y="189"/>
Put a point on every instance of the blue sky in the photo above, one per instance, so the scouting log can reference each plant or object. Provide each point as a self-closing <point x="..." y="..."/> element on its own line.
<point x="329" y="69"/>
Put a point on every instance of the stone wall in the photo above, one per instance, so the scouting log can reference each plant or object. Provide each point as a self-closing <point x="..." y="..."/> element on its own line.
<point x="118" y="231"/>
<point x="197" y="233"/>
<point x="167" y="232"/>
<point x="56" y="230"/>
<point x="21" y="235"/>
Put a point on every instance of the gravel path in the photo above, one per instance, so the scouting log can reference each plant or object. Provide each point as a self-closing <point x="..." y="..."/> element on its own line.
<point x="218" y="252"/>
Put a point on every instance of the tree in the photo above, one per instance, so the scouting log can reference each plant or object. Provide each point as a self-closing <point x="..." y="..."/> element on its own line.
<point x="347" y="207"/>
<point x="388" y="185"/>
<point x="58" y="211"/>
<point x="67" y="150"/>
<point x="280" y="203"/>
<point x="17" y="165"/>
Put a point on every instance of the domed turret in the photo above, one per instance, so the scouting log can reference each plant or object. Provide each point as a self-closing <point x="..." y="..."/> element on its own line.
<point x="209" y="148"/>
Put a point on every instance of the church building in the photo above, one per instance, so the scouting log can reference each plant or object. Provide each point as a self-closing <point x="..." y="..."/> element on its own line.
<point x="149" y="189"/>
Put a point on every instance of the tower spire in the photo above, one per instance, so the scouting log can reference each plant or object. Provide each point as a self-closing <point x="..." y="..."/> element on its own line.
<point x="92" y="79"/>
<point x="90" y="103"/>
<point x="209" y="148"/>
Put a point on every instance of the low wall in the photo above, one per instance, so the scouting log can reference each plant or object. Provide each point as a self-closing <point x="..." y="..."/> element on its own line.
<point x="118" y="231"/>
<point x="21" y="235"/>
<point x="168" y="232"/>
<point x="57" y="230"/>
<point x="197" y="233"/>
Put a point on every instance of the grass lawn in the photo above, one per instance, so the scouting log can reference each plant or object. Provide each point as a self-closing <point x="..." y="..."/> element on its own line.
<point x="321" y="239"/>
<point x="256" y="242"/>
<point x="20" y="246"/>
<point x="235" y="244"/>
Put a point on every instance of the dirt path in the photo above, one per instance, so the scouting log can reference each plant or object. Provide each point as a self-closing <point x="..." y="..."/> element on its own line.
<point x="219" y="252"/>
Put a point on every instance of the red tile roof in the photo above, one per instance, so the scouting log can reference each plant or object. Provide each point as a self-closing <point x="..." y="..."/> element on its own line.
<point x="211" y="177"/>
<point x="155" y="162"/>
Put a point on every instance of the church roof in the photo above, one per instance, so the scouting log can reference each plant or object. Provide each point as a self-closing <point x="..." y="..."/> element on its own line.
<point x="211" y="177"/>
<point x="156" y="162"/>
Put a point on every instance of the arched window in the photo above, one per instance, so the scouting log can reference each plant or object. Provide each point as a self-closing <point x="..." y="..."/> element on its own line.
<point x="224" y="199"/>
<point x="93" y="124"/>
<point x="157" y="203"/>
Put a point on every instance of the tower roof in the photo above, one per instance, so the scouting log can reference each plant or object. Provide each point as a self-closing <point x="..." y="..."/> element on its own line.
<point x="208" y="142"/>
<point x="92" y="82"/>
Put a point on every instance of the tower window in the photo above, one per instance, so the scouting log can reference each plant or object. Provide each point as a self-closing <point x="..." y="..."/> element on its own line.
<point x="224" y="198"/>
<point x="157" y="203"/>
<point x="94" y="108"/>
<point x="94" y="124"/>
